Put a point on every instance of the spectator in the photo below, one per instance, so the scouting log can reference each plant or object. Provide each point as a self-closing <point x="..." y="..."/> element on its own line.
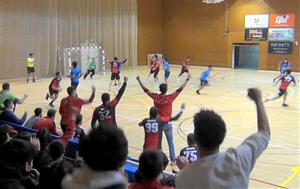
<point x="190" y="152"/>
<point x="69" y="108"/>
<point x="163" y="103"/>
<point x="104" y="151"/>
<point x="6" y="94"/>
<point x="16" y="165"/>
<point x="43" y="157"/>
<point x="79" y="132"/>
<point x="229" y="169"/>
<point x="47" y="122"/>
<point x="150" y="167"/>
<point x="57" y="168"/>
<point x="31" y="121"/>
<point x="9" y="116"/>
<point x="6" y="133"/>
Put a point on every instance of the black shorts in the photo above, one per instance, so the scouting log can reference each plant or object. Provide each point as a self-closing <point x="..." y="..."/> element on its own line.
<point x="53" y="92"/>
<point x="167" y="74"/>
<point x="281" y="92"/>
<point x="155" y="72"/>
<point x="30" y="70"/>
<point x="203" y="82"/>
<point x="115" y="76"/>
<point x="183" y="71"/>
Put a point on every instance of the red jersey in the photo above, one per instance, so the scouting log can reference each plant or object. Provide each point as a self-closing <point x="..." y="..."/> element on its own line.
<point x="106" y="114"/>
<point x="54" y="85"/>
<point x="153" y="133"/>
<point x="69" y="108"/>
<point x="46" y="123"/>
<point x="185" y="65"/>
<point x="163" y="103"/>
<point x="286" y="80"/>
<point x="115" y="66"/>
<point x="155" y="65"/>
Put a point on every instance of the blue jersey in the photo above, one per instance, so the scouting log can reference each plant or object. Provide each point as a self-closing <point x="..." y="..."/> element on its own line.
<point x="75" y="72"/>
<point x="166" y="66"/>
<point x="284" y="66"/>
<point x="205" y="74"/>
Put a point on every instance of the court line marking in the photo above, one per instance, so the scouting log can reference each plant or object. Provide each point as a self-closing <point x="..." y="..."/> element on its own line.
<point x="296" y="171"/>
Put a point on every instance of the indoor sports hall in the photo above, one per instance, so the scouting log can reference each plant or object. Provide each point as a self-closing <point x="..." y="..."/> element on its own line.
<point x="243" y="43"/>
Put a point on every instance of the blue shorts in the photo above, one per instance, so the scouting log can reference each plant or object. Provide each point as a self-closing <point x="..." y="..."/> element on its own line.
<point x="203" y="82"/>
<point x="167" y="74"/>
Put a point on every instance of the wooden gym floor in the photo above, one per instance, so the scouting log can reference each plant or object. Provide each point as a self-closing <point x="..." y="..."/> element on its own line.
<point x="279" y="165"/>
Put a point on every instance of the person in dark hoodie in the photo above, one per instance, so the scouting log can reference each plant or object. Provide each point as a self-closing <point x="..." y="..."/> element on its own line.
<point x="16" y="165"/>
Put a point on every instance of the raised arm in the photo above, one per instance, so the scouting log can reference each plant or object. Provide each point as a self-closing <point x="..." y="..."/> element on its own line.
<point x="22" y="100"/>
<point x="141" y="84"/>
<point x="179" y="114"/>
<point x="122" y="89"/>
<point x="124" y="61"/>
<point x="262" y="119"/>
<point x="90" y="100"/>
<point x="185" y="83"/>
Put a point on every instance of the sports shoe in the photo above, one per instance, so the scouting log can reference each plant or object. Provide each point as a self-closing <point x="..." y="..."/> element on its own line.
<point x="47" y="96"/>
<point x="285" y="105"/>
<point x="198" y="92"/>
<point x="173" y="163"/>
<point x="51" y="105"/>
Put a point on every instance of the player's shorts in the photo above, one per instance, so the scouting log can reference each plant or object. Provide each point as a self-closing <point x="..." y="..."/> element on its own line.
<point x="115" y="76"/>
<point x="156" y="73"/>
<point x="183" y="71"/>
<point x="281" y="92"/>
<point x="203" y="82"/>
<point x="74" y="84"/>
<point x="53" y="92"/>
<point x="167" y="74"/>
<point x="30" y="70"/>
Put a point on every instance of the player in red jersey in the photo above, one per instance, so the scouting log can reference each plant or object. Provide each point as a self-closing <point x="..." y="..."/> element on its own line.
<point x="285" y="82"/>
<point x="115" y="71"/>
<point x="153" y="128"/>
<point x="69" y="108"/>
<point x="105" y="114"/>
<point x="54" y="88"/>
<point x="162" y="101"/>
<point x="184" y="67"/>
<point x="154" y="68"/>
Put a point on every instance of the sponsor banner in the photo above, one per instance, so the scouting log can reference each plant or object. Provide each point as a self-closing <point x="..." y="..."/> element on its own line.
<point x="282" y="47"/>
<point x="282" y="20"/>
<point x="257" y="21"/>
<point x="259" y="34"/>
<point x="281" y="34"/>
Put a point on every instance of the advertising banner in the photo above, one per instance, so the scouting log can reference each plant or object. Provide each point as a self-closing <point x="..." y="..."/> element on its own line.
<point x="258" y="34"/>
<point x="281" y="34"/>
<point x="282" y="47"/>
<point x="282" y="20"/>
<point x="257" y="21"/>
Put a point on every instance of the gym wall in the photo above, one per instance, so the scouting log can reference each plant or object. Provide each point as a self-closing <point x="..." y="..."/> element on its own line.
<point x="43" y="27"/>
<point x="191" y="28"/>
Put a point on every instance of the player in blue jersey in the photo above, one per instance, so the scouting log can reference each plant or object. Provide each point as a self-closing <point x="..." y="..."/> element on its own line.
<point x="203" y="78"/>
<point x="167" y="69"/>
<point x="283" y="66"/>
<point x="75" y="74"/>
